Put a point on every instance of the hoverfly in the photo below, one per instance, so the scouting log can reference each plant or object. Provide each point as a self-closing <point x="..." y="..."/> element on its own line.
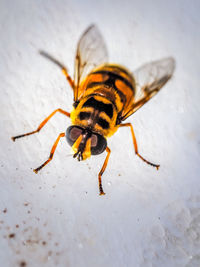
<point x="105" y="95"/>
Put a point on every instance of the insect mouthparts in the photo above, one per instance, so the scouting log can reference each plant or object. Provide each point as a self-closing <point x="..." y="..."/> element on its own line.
<point x="78" y="155"/>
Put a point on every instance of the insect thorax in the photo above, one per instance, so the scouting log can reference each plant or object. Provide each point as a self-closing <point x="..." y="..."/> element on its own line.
<point x="96" y="113"/>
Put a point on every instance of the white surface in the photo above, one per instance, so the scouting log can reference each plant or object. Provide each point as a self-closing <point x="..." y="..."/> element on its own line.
<point x="147" y="217"/>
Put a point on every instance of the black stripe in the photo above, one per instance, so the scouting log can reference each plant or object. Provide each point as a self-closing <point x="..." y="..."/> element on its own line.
<point x="103" y="123"/>
<point x="107" y="108"/>
<point x="84" y="115"/>
<point x="121" y="69"/>
<point x="121" y="95"/>
<point x="113" y="77"/>
<point x="110" y="82"/>
<point x="99" y="94"/>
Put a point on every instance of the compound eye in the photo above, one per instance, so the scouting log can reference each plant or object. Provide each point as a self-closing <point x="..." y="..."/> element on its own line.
<point x="98" y="144"/>
<point x="72" y="134"/>
<point x="94" y="140"/>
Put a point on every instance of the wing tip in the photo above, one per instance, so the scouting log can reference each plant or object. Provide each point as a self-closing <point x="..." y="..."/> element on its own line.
<point x="90" y="27"/>
<point x="171" y="62"/>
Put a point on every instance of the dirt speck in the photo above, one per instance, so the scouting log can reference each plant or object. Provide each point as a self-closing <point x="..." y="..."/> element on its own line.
<point x="22" y="264"/>
<point x="12" y="235"/>
<point x="32" y="241"/>
<point x="17" y="225"/>
<point x="44" y="243"/>
<point x="5" y="210"/>
<point x="50" y="253"/>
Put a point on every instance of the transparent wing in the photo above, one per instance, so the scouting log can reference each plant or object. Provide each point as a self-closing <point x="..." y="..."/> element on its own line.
<point x="91" y="52"/>
<point x="149" y="78"/>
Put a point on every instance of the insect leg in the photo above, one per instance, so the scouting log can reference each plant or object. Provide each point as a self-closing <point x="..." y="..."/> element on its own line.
<point x="101" y="192"/>
<point x="63" y="68"/>
<point x="43" y="123"/>
<point x="135" y="145"/>
<point x="51" y="153"/>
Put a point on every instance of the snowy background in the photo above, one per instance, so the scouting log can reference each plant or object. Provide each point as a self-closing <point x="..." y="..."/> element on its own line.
<point x="56" y="218"/>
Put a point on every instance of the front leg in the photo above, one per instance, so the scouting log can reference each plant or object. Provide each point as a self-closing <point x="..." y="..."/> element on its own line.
<point x="42" y="123"/>
<point x="51" y="153"/>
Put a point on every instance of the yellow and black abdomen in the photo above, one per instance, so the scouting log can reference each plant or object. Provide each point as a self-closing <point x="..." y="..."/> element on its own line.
<point x="103" y="95"/>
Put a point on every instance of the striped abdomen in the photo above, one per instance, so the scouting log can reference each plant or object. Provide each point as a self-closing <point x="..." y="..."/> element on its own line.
<point x="103" y="95"/>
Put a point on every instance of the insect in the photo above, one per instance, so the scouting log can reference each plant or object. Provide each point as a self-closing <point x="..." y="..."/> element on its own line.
<point x="105" y="95"/>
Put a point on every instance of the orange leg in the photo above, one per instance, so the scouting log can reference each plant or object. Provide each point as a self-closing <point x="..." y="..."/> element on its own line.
<point x="135" y="145"/>
<point x="43" y="123"/>
<point x="63" y="68"/>
<point x="51" y="153"/>
<point x="101" y="192"/>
